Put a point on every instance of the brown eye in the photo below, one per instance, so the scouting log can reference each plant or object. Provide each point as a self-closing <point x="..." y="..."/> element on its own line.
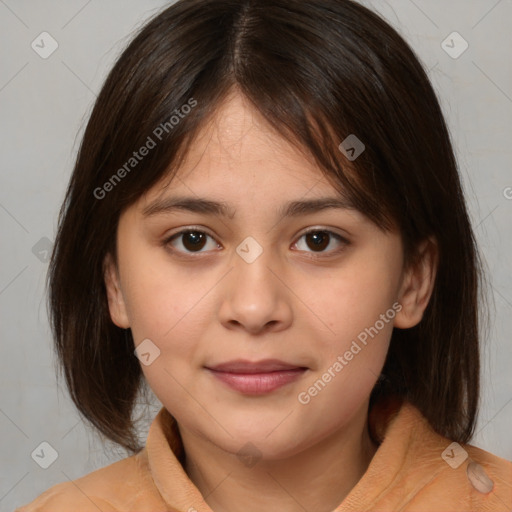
<point x="189" y="241"/>
<point x="194" y="240"/>
<point x="318" y="240"/>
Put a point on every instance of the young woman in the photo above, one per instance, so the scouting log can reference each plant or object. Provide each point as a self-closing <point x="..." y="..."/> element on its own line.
<point x="266" y="228"/>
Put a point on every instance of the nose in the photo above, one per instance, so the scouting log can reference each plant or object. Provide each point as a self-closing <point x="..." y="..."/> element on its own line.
<point x="255" y="297"/>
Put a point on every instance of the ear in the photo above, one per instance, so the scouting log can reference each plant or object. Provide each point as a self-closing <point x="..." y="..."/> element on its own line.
<point x="417" y="285"/>
<point x="116" y="303"/>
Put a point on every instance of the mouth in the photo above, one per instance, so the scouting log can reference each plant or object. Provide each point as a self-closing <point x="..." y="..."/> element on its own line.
<point x="256" y="378"/>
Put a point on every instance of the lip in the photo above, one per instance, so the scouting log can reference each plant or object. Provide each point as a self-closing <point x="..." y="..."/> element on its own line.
<point x="262" y="366"/>
<point x="256" y="378"/>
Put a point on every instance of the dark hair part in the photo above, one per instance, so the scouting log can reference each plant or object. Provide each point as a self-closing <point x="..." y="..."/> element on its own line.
<point x="318" y="71"/>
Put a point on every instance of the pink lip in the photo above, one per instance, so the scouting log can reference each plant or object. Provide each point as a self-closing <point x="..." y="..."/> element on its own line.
<point x="256" y="378"/>
<point x="263" y="366"/>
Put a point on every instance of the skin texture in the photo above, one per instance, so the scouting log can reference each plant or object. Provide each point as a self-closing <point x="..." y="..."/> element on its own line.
<point x="211" y="307"/>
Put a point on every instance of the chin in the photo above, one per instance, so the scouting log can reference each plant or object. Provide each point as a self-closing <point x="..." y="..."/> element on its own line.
<point x="255" y="443"/>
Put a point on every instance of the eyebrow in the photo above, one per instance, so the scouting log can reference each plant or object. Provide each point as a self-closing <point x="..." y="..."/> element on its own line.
<point x="222" y="209"/>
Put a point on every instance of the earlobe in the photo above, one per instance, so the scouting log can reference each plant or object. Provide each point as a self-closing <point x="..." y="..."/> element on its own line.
<point x="116" y="303"/>
<point x="418" y="285"/>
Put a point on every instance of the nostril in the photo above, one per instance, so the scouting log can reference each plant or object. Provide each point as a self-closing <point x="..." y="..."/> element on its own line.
<point x="478" y="478"/>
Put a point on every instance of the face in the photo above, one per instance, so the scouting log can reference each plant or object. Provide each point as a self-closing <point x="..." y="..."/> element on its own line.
<point x="318" y="290"/>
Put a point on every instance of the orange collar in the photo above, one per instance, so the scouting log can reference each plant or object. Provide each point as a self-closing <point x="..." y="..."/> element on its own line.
<point x="407" y="472"/>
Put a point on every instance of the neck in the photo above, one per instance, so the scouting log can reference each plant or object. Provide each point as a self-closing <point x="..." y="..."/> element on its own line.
<point x="317" y="478"/>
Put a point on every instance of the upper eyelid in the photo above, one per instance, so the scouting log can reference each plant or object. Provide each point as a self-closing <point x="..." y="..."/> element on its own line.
<point x="205" y="231"/>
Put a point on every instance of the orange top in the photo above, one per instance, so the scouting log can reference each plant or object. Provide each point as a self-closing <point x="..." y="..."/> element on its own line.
<point x="414" y="469"/>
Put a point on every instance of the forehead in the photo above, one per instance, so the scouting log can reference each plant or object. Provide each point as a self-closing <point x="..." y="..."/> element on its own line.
<point x="237" y="151"/>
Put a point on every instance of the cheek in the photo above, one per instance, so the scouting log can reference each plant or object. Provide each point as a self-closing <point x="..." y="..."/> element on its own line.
<point x="352" y="352"/>
<point x="161" y="298"/>
<point x="166" y="308"/>
<point x="171" y="307"/>
<point x="359" y="312"/>
<point x="351" y="301"/>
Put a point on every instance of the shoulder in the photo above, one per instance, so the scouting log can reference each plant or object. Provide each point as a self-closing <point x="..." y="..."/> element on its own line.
<point x="474" y="478"/>
<point x="432" y="472"/>
<point x="464" y="474"/>
<point x="497" y="469"/>
<point x="103" y="489"/>
<point x="64" y="497"/>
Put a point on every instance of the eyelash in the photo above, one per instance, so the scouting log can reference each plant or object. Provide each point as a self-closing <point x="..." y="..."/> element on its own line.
<point x="167" y="242"/>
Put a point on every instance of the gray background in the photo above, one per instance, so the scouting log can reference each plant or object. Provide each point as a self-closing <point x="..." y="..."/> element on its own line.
<point x="44" y="105"/>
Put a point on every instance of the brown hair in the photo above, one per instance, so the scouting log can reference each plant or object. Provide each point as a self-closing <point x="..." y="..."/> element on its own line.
<point x="318" y="71"/>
